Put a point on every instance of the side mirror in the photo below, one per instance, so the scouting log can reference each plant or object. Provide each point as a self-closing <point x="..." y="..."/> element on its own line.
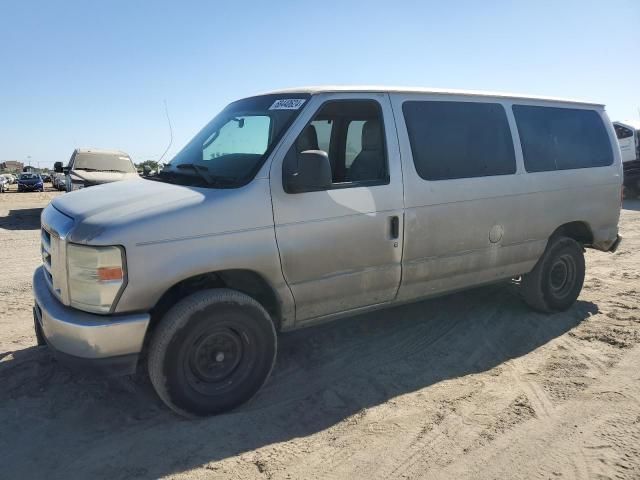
<point x="309" y="171"/>
<point x="57" y="167"/>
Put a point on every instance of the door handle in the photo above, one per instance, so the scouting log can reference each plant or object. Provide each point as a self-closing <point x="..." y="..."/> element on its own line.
<point x="395" y="227"/>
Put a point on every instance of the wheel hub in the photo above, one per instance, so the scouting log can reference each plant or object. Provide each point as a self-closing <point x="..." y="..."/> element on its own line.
<point x="562" y="275"/>
<point x="215" y="356"/>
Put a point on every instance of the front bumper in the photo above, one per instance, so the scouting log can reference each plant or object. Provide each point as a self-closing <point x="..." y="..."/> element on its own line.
<point x="110" y="343"/>
<point x="32" y="187"/>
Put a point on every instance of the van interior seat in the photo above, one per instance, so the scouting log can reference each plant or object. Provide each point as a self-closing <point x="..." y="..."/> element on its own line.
<point x="369" y="163"/>
<point x="308" y="139"/>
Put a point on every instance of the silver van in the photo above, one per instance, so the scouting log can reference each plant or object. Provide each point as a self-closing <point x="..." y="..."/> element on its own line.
<point x="90" y="166"/>
<point x="301" y="206"/>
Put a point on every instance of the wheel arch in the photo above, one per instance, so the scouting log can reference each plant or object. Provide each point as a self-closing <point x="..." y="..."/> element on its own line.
<point x="580" y="231"/>
<point x="245" y="281"/>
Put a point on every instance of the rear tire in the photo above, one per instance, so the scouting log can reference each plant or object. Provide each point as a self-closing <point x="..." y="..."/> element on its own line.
<point x="631" y="192"/>
<point x="211" y="352"/>
<point x="555" y="282"/>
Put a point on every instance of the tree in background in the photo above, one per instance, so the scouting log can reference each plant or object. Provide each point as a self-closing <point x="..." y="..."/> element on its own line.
<point x="148" y="167"/>
<point x="152" y="164"/>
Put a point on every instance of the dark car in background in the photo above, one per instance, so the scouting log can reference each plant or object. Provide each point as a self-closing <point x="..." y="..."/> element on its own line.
<point x="30" y="182"/>
<point x="58" y="181"/>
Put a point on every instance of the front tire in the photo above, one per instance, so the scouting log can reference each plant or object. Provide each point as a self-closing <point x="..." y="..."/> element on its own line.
<point x="211" y="352"/>
<point x="555" y="282"/>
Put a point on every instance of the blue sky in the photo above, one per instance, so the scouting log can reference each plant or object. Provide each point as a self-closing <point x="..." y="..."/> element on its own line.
<point x="95" y="74"/>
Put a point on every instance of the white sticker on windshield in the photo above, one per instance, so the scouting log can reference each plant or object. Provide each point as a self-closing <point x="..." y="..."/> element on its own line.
<point x="287" y="104"/>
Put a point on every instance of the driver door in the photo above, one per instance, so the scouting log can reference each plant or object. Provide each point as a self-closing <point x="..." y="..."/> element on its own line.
<point x="341" y="249"/>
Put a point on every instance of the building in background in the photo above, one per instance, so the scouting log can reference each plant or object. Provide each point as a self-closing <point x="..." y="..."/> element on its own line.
<point x="11" y="166"/>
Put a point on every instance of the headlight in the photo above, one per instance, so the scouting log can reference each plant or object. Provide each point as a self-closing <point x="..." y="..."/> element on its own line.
<point x="96" y="276"/>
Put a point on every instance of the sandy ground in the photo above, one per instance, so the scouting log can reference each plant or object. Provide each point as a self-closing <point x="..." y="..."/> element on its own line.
<point x="473" y="385"/>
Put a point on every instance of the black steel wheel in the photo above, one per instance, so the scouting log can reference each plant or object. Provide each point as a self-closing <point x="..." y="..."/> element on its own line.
<point x="556" y="281"/>
<point x="211" y="352"/>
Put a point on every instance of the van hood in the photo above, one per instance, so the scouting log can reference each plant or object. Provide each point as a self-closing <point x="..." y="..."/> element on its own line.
<point x="97" y="178"/>
<point x="145" y="211"/>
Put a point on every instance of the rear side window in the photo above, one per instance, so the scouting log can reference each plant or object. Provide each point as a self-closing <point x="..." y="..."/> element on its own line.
<point x="562" y="138"/>
<point x="459" y="139"/>
<point x="622" y="132"/>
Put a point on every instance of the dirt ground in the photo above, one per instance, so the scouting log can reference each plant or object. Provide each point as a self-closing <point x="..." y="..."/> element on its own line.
<point x="473" y="385"/>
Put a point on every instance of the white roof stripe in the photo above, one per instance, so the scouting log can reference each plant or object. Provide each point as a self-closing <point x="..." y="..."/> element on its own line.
<point x="389" y="89"/>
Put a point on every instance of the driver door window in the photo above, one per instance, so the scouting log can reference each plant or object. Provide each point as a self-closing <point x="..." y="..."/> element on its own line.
<point x="354" y="141"/>
<point x="352" y="134"/>
<point x="323" y="129"/>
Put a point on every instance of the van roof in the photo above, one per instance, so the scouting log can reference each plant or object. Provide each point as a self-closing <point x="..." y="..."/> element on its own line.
<point x="101" y="151"/>
<point x="438" y="91"/>
<point x="635" y="124"/>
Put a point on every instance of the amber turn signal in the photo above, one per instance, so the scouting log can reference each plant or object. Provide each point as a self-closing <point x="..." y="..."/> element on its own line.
<point x="109" y="273"/>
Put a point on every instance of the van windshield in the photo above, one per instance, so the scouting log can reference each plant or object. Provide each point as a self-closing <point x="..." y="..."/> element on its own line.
<point x="103" y="162"/>
<point x="229" y="151"/>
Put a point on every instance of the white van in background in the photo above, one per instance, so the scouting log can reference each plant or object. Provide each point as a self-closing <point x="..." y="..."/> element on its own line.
<point x="89" y="167"/>
<point x="628" y="133"/>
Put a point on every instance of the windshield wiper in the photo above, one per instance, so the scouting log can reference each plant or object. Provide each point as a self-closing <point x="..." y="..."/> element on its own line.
<point x="203" y="172"/>
<point x="199" y="169"/>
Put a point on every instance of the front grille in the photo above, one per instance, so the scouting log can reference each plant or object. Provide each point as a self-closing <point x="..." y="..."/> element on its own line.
<point x="46" y="251"/>
<point x="53" y="234"/>
<point x="52" y="261"/>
